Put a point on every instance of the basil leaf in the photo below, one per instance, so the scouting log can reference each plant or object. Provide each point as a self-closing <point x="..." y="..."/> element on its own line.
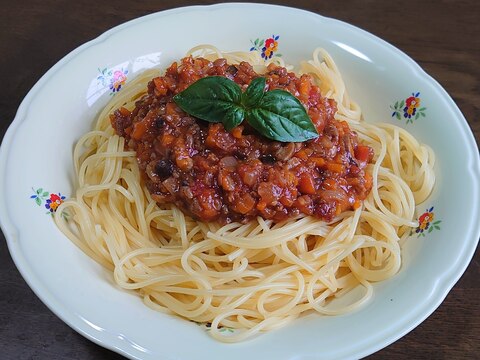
<point x="254" y="93"/>
<point x="276" y="114"/>
<point x="281" y="116"/>
<point x="213" y="99"/>
<point x="233" y="117"/>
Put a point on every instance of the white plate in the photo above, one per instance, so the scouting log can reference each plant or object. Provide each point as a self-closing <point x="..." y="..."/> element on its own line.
<point x="36" y="154"/>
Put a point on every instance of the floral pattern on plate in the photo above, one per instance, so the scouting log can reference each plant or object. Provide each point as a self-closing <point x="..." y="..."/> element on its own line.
<point x="113" y="79"/>
<point x="426" y="223"/>
<point x="51" y="201"/>
<point x="408" y="109"/>
<point x="267" y="47"/>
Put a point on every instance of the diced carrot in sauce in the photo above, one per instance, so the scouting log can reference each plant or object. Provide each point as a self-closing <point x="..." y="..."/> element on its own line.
<point x="318" y="161"/>
<point x="167" y="139"/>
<point x="141" y="127"/>
<point x="171" y="109"/>
<point x="237" y="132"/>
<point x="337" y="168"/>
<point x="306" y="184"/>
<point x="329" y="184"/>
<point x="305" y="86"/>
<point x="356" y="204"/>
<point x="261" y="205"/>
<point x="124" y="111"/>
<point x="160" y="86"/>
<point x="302" y="154"/>
<point x="246" y="205"/>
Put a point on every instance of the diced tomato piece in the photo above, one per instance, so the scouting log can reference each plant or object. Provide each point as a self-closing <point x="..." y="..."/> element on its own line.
<point x="363" y="153"/>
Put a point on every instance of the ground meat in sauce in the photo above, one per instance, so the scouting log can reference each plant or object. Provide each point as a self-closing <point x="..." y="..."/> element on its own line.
<point x="215" y="175"/>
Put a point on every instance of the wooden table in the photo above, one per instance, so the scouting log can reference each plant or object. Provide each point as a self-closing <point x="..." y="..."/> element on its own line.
<point x="443" y="37"/>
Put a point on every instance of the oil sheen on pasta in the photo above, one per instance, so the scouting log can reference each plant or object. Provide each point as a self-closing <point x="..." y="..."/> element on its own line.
<point x="216" y="175"/>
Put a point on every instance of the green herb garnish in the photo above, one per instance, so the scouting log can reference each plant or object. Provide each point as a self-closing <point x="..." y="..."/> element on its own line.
<point x="276" y="114"/>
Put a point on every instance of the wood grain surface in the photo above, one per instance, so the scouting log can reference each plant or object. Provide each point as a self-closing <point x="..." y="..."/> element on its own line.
<point x="442" y="36"/>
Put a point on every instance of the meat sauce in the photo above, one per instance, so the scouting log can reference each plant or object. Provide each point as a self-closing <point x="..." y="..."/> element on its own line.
<point x="215" y="175"/>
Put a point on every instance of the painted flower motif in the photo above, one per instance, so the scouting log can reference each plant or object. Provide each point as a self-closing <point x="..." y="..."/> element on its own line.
<point x="408" y="112"/>
<point x="411" y="105"/>
<point x="104" y="77"/>
<point x="51" y="201"/>
<point x="39" y="196"/>
<point x="266" y="47"/>
<point x="425" y="219"/>
<point x="409" y="108"/>
<point x="426" y="222"/>
<point x="113" y="79"/>
<point x="271" y="45"/>
<point x="54" y="201"/>
<point x="413" y="102"/>
<point x="118" y="79"/>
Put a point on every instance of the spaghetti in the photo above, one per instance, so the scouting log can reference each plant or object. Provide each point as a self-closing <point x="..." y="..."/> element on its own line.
<point x="250" y="277"/>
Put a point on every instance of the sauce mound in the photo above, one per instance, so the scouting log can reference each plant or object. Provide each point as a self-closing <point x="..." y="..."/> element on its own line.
<point x="216" y="175"/>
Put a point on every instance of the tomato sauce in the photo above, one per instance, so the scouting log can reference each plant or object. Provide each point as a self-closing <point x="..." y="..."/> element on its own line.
<point x="216" y="175"/>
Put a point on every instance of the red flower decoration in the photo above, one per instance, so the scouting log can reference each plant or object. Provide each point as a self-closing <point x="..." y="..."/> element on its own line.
<point x="412" y="102"/>
<point x="118" y="80"/>
<point x="425" y="222"/>
<point x="410" y="107"/>
<point x="269" y="42"/>
<point x="271" y="45"/>
<point x="54" y="201"/>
